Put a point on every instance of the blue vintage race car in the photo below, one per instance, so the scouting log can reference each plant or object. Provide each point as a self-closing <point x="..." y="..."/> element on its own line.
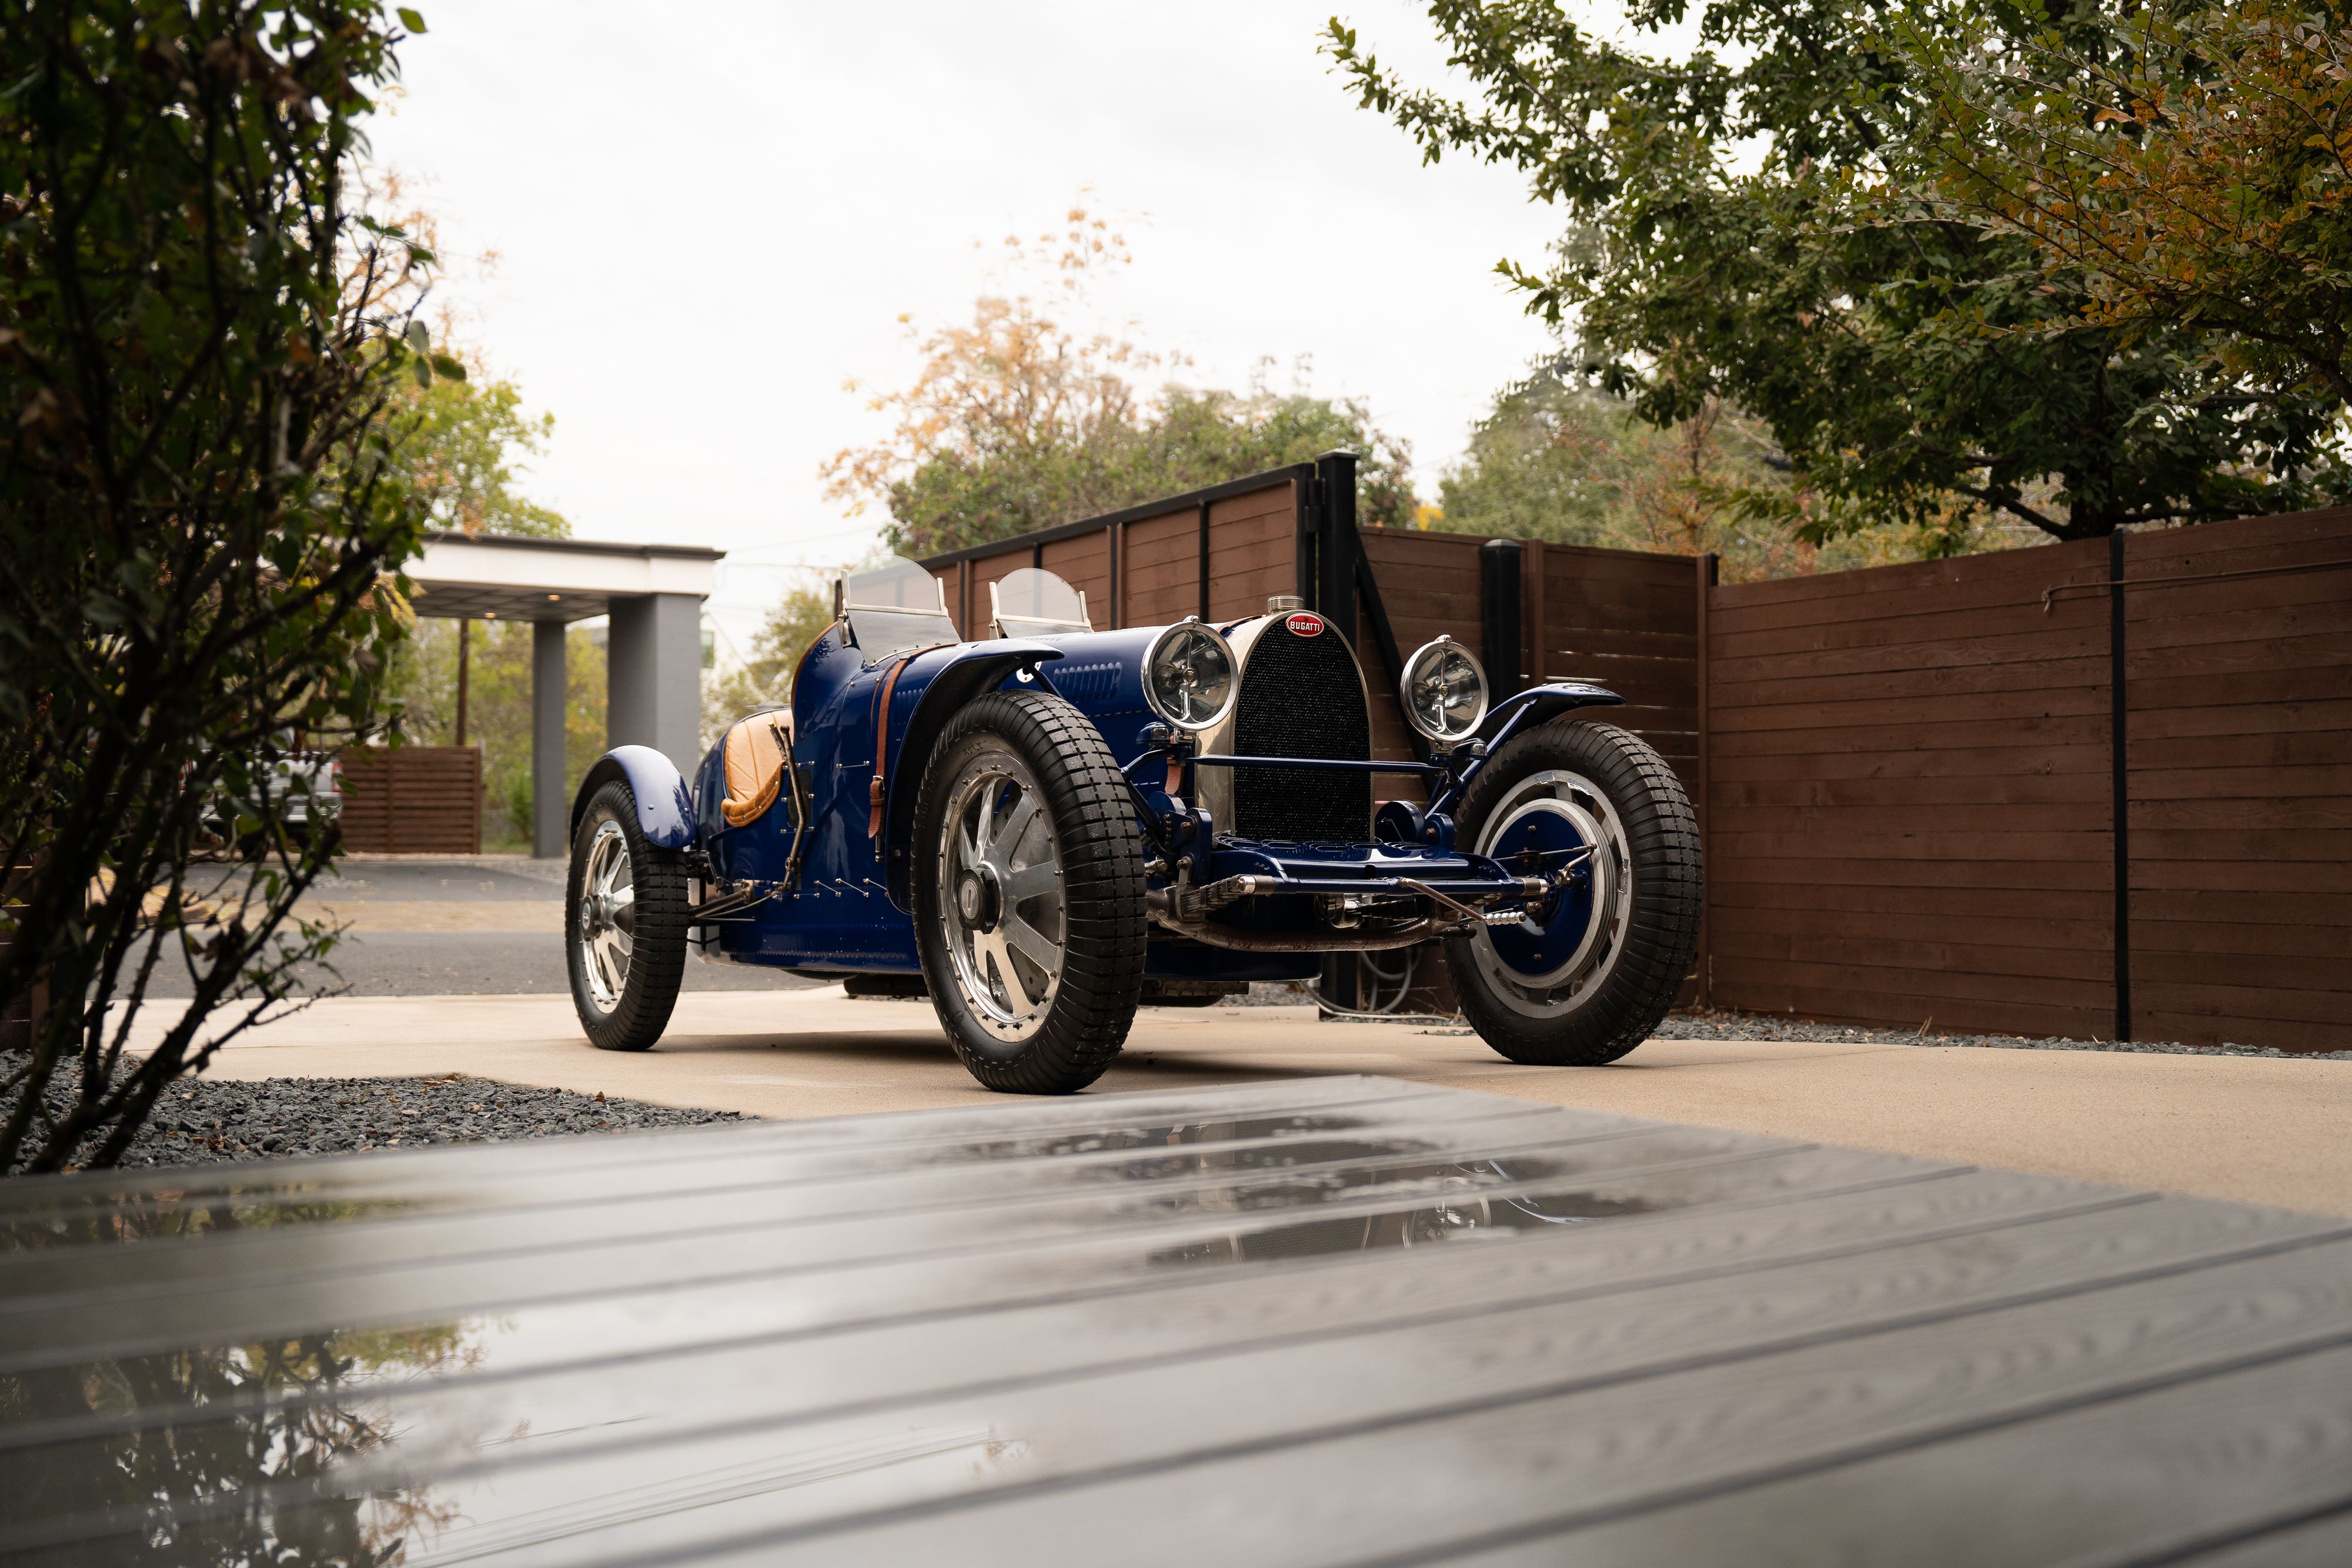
<point x="1048" y="827"/>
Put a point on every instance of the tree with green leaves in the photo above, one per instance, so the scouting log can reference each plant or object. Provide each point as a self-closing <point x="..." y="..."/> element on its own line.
<point x="1720" y="243"/>
<point x="2188" y="166"/>
<point x="202" y="512"/>
<point x="1558" y="458"/>
<point x="766" y="675"/>
<point x="461" y="443"/>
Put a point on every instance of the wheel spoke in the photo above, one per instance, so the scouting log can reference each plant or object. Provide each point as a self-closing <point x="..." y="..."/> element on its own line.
<point x="1032" y="944"/>
<point x="1031" y="882"/>
<point x="1015" y="827"/>
<point x="1008" y="974"/>
<point x="984" y="829"/>
<point x="1016" y="995"/>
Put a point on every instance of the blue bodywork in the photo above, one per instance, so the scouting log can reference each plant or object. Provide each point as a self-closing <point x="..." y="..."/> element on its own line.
<point x="844" y="905"/>
<point x="665" y="813"/>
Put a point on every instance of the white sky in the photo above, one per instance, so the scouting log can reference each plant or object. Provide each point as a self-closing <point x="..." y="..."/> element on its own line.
<point x="707" y="218"/>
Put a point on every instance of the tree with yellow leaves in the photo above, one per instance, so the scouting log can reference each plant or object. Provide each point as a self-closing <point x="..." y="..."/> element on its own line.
<point x="1018" y="420"/>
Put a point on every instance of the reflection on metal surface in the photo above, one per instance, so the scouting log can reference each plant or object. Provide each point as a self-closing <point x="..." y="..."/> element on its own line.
<point x="1105" y="1322"/>
<point x="238" y="1488"/>
<point x="1483" y="1200"/>
<point x="524" y="1532"/>
<point x="219" y="1198"/>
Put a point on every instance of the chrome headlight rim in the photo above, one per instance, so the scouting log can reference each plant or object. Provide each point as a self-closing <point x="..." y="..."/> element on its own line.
<point x="1190" y="627"/>
<point x="1428" y="653"/>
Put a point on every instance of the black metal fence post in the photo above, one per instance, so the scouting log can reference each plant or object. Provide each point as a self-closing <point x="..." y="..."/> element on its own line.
<point x="1336" y="546"/>
<point x="1498" y="616"/>
<point x="2119" y="739"/>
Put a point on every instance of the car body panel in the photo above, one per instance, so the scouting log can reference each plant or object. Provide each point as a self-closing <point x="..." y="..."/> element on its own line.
<point x="665" y="811"/>
<point x="843" y="905"/>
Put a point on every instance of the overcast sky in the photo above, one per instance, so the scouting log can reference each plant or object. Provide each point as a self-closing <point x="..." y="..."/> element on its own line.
<point x="709" y="217"/>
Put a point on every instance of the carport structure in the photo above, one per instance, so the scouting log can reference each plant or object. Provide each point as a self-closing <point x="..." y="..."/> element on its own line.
<point x="651" y="595"/>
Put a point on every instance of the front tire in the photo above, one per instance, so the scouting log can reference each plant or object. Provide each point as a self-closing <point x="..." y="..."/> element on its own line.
<point x="1594" y="974"/>
<point x="625" y="925"/>
<point x="1029" y="893"/>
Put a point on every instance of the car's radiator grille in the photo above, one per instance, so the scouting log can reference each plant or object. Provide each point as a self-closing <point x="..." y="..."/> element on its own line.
<point x="1301" y="697"/>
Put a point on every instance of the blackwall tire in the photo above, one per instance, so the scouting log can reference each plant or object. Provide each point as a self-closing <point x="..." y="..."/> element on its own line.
<point x="623" y="1004"/>
<point x="1592" y="981"/>
<point x="1029" y="893"/>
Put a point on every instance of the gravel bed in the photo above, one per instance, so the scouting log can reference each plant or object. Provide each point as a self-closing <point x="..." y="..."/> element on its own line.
<point x="1705" y="1024"/>
<point x="1717" y="1024"/>
<point x="203" y="1121"/>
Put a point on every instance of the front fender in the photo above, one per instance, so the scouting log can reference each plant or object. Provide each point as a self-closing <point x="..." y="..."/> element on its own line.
<point x="1537" y="705"/>
<point x="981" y="669"/>
<point x="665" y="810"/>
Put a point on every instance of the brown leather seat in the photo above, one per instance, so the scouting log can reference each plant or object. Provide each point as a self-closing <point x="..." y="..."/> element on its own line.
<point x="754" y="762"/>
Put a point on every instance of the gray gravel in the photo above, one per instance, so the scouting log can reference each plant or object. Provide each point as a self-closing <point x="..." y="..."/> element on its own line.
<point x="205" y="1121"/>
<point x="1704" y="1024"/>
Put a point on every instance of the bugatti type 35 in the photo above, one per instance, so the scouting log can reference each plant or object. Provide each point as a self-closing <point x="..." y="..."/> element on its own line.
<point x="1046" y="828"/>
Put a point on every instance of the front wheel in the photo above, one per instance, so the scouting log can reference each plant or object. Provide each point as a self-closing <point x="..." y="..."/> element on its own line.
<point x="1029" y="893"/>
<point x="1590" y="976"/>
<point x="625" y="925"/>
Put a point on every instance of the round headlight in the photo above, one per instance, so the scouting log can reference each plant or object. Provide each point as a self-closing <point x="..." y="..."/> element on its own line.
<point x="1188" y="676"/>
<point x="1445" y="691"/>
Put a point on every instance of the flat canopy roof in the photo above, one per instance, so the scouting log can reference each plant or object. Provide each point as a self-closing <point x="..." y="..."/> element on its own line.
<point x="498" y="577"/>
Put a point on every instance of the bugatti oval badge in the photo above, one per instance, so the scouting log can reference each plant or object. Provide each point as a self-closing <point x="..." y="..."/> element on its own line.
<point x="1305" y="624"/>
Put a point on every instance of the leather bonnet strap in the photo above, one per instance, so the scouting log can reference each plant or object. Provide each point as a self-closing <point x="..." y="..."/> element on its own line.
<point x="874" y="794"/>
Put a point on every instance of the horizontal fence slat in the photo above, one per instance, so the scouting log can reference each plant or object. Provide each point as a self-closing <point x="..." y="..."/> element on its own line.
<point x="412" y="799"/>
<point x="1906" y="759"/>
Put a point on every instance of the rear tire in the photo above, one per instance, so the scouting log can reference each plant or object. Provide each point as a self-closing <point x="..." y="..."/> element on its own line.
<point x="625" y="925"/>
<point x="1029" y="893"/>
<point x="1596" y="975"/>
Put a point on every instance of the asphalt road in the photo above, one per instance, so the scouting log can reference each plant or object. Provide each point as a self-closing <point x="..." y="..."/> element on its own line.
<point x="490" y="926"/>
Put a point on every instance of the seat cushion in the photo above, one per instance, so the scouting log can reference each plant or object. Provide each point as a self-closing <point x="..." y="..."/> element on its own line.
<point x="754" y="760"/>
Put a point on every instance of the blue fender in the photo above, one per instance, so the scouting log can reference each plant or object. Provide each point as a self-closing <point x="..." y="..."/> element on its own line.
<point x="664" y="810"/>
<point x="981" y="668"/>
<point x="1536" y="704"/>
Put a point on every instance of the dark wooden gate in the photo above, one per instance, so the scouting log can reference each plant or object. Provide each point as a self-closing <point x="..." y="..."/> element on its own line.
<point x="412" y="799"/>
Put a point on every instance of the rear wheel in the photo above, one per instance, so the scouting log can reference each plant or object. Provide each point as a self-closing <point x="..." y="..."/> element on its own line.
<point x="1029" y="893"/>
<point x="625" y="925"/>
<point x="1592" y="975"/>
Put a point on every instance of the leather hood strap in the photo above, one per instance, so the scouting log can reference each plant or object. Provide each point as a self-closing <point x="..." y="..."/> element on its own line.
<point x="875" y="794"/>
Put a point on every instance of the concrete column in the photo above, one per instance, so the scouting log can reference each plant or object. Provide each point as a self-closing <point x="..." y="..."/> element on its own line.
<point x="655" y="676"/>
<point x="551" y="781"/>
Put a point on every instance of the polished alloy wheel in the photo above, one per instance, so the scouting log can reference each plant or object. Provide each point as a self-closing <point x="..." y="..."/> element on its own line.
<point x="1002" y="905"/>
<point x="1546" y="965"/>
<point x="608" y="922"/>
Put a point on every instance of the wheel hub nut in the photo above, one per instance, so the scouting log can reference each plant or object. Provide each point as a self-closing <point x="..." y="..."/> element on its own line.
<point x="978" y="899"/>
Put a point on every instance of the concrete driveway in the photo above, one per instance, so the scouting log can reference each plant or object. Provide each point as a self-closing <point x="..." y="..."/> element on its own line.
<point x="2252" y="1129"/>
<point x="485" y="925"/>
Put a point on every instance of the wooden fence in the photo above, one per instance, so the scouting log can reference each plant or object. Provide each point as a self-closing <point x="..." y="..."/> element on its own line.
<point x="1624" y="618"/>
<point x="1908" y="796"/>
<point x="2236" y="645"/>
<point x="412" y="799"/>
<point x="1914" y="805"/>
<point x="2099" y="790"/>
